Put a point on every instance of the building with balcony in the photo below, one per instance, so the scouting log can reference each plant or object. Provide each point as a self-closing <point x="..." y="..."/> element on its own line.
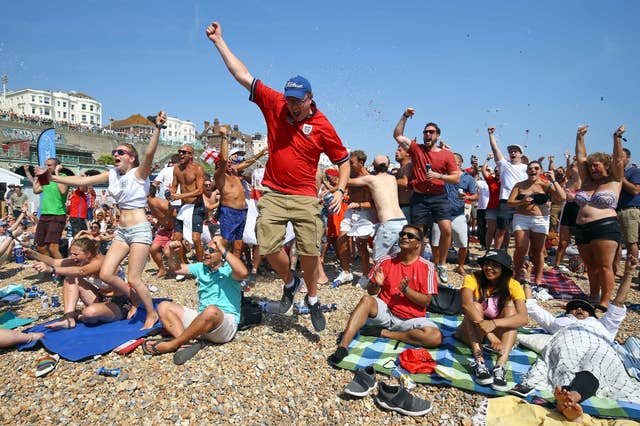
<point x="72" y="108"/>
<point x="211" y="138"/>
<point x="136" y="127"/>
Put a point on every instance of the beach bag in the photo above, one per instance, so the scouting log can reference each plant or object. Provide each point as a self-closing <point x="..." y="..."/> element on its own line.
<point x="250" y="314"/>
<point x="448" y="301"/>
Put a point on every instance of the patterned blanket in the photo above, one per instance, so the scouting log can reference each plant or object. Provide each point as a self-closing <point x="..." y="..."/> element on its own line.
<point x="559" y="286"/>
<point x="454" y="369"/>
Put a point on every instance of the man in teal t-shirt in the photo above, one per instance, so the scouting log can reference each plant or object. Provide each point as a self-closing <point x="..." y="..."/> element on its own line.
<point x="216" y="320"/>
<point x="53" y="212"/>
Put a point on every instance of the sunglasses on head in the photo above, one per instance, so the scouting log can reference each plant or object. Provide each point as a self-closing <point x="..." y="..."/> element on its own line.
<point x="409" y="235"/>
<point x="120" y="152"/>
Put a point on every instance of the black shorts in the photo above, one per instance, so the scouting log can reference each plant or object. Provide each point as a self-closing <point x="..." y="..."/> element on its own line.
<point x="569" y="214"/>
<point x="601" y="229"/>
<point x="429" y="208"/>
<point x="197" y="219"/>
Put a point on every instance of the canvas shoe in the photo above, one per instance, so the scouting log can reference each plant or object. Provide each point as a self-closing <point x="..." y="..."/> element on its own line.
<point x="397" y="398"/>
<point x="364" y="381"/>
<point x="521" y="390"/>
<point x="286" y="302"/>
<point x="481" y="374"/>
<point x="317" y="317"/>
<point x="499" y="378"/>
<point x="442" y="274"/>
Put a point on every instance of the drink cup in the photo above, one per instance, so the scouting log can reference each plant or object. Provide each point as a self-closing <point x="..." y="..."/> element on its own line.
<point x="44" y="177"/>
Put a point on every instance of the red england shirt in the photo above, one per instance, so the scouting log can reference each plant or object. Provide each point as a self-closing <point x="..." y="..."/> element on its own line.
<point x="422" y="278"/>
<point x="442" y="162"/>
<point x="295" y="147"/>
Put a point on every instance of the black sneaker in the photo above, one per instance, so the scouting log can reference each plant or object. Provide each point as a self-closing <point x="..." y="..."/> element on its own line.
<point x="481" y="374"/>
<point x="499" y="378"/>
<point x="521" y="390"/>
<point x="364" y="381"/>
<point x="397" y="398"/>
<point x="317" y="317"/>
<point x="337" y="357"/>
<point x="286" y="302"/>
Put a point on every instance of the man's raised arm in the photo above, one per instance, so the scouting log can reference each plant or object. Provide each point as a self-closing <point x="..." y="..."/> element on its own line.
<point x="497" y="154"/>
<point x="237" y="69"/>
<point x="398" y="131"/>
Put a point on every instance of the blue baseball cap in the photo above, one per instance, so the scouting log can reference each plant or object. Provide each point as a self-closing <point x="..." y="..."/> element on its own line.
<point x="297" y="87"/>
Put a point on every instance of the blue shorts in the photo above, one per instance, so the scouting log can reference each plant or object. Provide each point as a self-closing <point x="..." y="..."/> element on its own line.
<point x="232" y="223"/>
<point x="429" y="208"/>
<point x="197" y="219"/>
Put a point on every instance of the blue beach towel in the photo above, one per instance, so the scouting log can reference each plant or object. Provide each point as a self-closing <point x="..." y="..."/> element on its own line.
<point x="87" y="340"/>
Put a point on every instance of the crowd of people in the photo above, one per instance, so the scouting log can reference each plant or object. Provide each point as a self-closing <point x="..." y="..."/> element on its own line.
<point x="218" y="228"/>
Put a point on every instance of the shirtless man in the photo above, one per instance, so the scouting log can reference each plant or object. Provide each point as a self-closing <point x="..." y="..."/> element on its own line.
<point x="189" y="176"/>
<point x="164" y="214"/>
<point x="357" y="222"/>
<point x="403" y="177"/>
<point x="211" y="195"/>
<point x="384" y="190"/>
<point x="233" y="205"/>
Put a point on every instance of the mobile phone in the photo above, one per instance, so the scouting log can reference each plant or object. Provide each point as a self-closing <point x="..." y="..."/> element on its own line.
<point x="487" y="347"/>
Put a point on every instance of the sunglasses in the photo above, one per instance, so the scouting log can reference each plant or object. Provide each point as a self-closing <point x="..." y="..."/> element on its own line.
<point x="95" y="227"/>
<point x="491" y="264"/>
<point x="409" y="235"/>
<point x="184" y="152"/>
<point x="428" y="131"/>
<point x="533" y="168"/>
<point x="120" y="152"/>
<point x="210" y="250"/>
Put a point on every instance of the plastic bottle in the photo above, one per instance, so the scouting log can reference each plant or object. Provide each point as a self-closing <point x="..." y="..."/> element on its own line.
<point x="427" y="253"/>
<point x="403" y="376"/>
<point x="44" y="299"/>
<point x="18" y="252"/>
<point x="336" y="283"/>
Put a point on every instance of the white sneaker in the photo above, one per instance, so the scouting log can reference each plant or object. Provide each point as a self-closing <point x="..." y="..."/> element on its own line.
<point x="344" y="277"/>
<point x="564" y="269"/>
<point x="180" y="277"/>
<point x="363" y="282"/>
<point x="442" y="273"/>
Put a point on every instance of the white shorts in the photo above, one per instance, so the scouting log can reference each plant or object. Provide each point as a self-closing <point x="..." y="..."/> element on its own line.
<point x="386" y="239"/>
<point x="358" y="223"/>
<point x="459" y="232"/>
<point x="523" y="222"/>
<point x="222" y="334"/>
<point x="386" y="319"/>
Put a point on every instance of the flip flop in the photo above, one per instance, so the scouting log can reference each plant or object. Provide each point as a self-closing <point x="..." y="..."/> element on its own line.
<point x="46" y="365"/>
<point x="153" y="350"/>
<point x="187" y="352"/>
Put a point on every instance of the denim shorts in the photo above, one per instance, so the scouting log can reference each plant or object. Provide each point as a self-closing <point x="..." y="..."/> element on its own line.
<point x="429" y="208"/>
<point x="386" y="238"/>
<point x="505" y="215"/>
<point x="140" y="233"/>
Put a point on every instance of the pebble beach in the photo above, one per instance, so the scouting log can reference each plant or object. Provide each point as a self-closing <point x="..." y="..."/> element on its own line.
<point x="273" y="373"/>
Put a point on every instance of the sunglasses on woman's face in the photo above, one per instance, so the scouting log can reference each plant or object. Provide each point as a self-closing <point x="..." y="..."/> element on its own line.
<point x="210" y="250"/>
<point x="409" y="235"/>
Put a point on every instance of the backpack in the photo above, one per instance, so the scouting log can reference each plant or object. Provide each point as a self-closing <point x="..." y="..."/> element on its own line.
<point x="250" y="313"/>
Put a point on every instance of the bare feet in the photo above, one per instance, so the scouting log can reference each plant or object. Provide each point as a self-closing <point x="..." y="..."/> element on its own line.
<point x="33" y="337"/>
<point x="60" y="325"/>
<point x="460" y="270"/>
<point x="161" y="273"/>
<point x="152" y="318"/>
<point x="132" y="311"/>
<point x="567" y="404"/>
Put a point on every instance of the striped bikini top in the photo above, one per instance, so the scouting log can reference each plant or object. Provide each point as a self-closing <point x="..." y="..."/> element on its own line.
<point x="599" y="200"/>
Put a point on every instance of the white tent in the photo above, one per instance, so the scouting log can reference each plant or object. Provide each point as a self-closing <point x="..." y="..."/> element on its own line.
<point x="9" y="177"/>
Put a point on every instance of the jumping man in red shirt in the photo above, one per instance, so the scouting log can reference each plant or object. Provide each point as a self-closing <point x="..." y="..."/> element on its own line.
<point x="297" y="133"/>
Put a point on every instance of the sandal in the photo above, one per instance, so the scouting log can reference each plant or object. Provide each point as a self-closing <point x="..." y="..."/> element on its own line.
<point x="46" y="365"/>
<point x="153" y="348"/>
<point x="187" y="352"/>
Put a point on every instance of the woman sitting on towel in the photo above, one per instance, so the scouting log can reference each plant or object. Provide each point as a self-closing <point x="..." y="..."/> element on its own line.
<point x="81" y="271"/>
<point x="129" y="185"/>
<point x="579" y="360"/>
<point x="494" y="307"/>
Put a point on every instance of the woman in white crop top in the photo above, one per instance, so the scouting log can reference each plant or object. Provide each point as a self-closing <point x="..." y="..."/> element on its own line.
<point x="128" y="185"/>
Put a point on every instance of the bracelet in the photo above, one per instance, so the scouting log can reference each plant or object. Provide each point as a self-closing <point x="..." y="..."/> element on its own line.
<point x="224" y="255"/>
<point x="441" y="176"/>
<point x="53" y="270"/>
<point x="340" y="190"/>
<point x="553" y="181"/>
<point x="405" y="115"/>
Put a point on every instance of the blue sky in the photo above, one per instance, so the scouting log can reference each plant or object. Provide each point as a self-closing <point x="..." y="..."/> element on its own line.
<point x="543" y="66"/>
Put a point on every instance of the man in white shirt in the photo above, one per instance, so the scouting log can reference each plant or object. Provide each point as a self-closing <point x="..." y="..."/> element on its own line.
<point x="164" y="179"/>
<point x="512" y="171"/>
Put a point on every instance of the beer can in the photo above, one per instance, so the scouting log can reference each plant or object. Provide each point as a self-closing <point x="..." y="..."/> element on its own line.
<point x="108" y="372"/>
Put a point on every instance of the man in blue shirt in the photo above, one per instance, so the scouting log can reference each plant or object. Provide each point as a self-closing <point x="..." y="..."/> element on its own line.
<point x="629" y="206"/>
<point x="216" y="320"/>
<point x="458" y="194"/>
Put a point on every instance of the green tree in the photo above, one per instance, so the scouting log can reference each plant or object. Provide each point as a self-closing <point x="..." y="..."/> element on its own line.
<point x="105" y="159"/>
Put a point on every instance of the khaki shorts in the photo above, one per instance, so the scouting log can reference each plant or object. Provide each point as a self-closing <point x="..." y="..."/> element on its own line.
<point x="221" y="334"/>
<point x="276" y="209"/>
<point x="629" y="220"/>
